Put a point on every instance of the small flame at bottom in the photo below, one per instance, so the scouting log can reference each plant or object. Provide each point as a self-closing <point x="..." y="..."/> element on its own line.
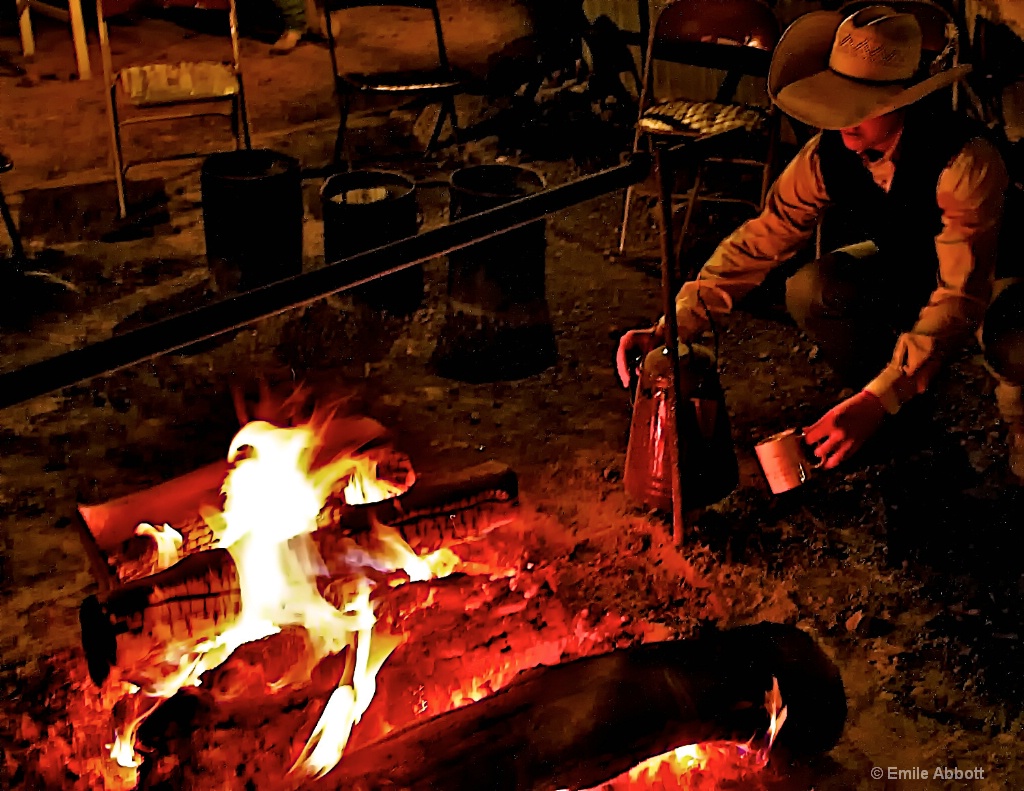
<point x="724" y="760"/>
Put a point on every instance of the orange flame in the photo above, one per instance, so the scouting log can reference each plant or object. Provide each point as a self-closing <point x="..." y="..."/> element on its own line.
<point x="273" y="497"/>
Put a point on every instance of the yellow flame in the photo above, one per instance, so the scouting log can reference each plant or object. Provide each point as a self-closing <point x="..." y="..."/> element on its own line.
<point x="168" y="543"/>
<point x="135" y="711"/>
<point x="776" y="712"/>
<point x="123" y="751"/>
<point x="682" y="759"/>
<point x="272" y="499"/>
<point x="726" y="759"/>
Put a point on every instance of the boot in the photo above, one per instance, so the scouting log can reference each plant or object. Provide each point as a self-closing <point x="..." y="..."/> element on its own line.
<point x="289" y="40"/>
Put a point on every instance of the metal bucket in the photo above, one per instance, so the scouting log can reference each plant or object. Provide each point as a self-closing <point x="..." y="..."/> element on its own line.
<point x="365" y="209"/>
<point x="252" y="217"/>
<point x="497" y="324"/>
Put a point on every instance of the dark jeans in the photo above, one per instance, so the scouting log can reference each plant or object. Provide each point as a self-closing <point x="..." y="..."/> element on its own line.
<point x="854" y="303"/>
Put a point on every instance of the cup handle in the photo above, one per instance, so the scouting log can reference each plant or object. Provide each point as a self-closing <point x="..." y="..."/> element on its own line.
<point x="817" y="462"/>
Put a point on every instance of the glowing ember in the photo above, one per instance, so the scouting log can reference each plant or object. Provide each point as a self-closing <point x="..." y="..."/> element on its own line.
<point x="272" y="499"/>
<point x="722" y="760"/>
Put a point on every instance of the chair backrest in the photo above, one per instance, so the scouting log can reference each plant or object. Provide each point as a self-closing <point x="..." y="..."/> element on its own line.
<point x="736" y="36"/>
<point x="331" y="6"/>
<point x="725" y="34"/>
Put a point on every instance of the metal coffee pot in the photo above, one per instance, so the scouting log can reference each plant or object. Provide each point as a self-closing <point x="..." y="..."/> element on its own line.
<point x="709" y="468"/>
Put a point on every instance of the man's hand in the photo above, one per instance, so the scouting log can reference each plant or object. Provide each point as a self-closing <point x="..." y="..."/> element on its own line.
<point x="636" y="343"/>
<point x="845" y="428"/>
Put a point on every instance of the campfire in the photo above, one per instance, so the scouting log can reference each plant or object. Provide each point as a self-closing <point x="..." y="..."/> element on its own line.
<point x="274" y="587"/>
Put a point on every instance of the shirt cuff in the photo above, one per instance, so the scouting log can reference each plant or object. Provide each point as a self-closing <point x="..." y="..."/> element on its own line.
<point x="883" y="387"/>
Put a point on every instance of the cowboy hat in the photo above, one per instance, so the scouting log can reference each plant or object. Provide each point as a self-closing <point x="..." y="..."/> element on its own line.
<point x="834" y="72"/>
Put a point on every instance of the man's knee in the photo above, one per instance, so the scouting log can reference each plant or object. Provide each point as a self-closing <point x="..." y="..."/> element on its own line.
<point x="803" y="289"/>
<point x="821" y="289"/>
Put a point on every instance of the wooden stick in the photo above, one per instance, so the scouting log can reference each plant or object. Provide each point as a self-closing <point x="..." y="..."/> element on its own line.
<point x="80" y="41"/>
<point x="677" y="449"/>
<point x="28" y="40"/>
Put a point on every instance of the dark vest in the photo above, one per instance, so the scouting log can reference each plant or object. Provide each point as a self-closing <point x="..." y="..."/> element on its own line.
<point x="904" y="221"/>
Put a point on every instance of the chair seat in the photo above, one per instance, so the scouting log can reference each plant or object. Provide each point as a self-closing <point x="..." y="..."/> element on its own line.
<point x="399" y="81"/>
<point x="692" y="119"/>
<point x="166" y="83"/>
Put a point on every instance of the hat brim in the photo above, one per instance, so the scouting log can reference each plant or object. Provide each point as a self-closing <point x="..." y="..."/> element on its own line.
<point x="802" y="86"/>
<point x="803" y="49"/>
<point x="827" y="100"/>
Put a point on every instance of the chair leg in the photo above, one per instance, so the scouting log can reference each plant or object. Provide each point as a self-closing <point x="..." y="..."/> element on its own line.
<point x="236" y="128"/>
<point x="691" y="204"/>
<point x="115" y="143"/>
<point x="769" y="163"/>
<point x="17" y="249"/>
<point x="628" y="207"/>
<point x="626" y="210"/>
<point x="455" y="120"/>
<point x="243" y="117"/>
<point x="447" y="109"/>
<point x="344" y="105"/>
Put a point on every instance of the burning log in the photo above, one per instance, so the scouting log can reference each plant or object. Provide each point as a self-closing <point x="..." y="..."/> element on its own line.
<point x="434" y="513"/>
<point x="199" y="596"/>
<point x="581" y="723"/>
<point x="131" y="626"/>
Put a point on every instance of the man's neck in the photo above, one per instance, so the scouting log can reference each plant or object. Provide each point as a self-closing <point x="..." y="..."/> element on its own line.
<point x="886" y="150"/>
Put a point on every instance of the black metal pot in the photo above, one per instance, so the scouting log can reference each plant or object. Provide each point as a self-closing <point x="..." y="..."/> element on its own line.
<point x="365" y="209"/>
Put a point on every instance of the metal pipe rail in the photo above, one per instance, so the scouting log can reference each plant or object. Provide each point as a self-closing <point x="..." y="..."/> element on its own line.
<point x="176" y="332"/>
<point x="209" y="321"/>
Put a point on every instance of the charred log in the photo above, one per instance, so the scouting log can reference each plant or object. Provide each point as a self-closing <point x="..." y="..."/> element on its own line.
<point x="131" y="626"/>
<point x="581" y="723"/>
<point x="436" y="513"/>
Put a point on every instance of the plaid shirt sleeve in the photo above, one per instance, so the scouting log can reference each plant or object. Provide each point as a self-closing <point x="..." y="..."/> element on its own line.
<point x="744" y="258"/>
<point x="970" y="194"/>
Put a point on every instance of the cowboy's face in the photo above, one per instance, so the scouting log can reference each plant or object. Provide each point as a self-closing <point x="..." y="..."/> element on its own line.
<point x="873" y="133"/>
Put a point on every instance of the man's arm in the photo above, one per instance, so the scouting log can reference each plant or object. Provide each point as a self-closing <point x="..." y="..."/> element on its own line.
<point x="744" y="258"/>
<point x="970" y="194"/>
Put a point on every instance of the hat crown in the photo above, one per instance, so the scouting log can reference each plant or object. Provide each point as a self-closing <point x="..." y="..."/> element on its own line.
<point x="877" y="45"/>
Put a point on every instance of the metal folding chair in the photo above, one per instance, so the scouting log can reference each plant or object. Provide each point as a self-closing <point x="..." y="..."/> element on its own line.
<point x="439" y="83"/>
<point x="734" y="36"/>
<point x="161" y="92"/>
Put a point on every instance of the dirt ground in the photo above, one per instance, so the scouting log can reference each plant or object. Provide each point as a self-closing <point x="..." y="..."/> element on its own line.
<point x="903" y="567"/>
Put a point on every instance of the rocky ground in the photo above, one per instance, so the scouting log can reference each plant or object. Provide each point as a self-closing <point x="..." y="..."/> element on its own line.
<point x="903" y="567"/>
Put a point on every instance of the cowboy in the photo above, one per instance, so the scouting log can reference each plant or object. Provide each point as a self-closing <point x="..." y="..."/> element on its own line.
<point x="922" y="189"/>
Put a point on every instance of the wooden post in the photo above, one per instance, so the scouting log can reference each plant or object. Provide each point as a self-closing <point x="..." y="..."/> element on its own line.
<point x="675" y="441"/>
<point x="73" y="16"/>
<point x="28" y="40"/>
<point x="80" y="40"/>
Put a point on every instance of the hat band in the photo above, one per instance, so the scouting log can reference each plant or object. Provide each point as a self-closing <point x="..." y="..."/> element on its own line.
<point x="871" y="83"/>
